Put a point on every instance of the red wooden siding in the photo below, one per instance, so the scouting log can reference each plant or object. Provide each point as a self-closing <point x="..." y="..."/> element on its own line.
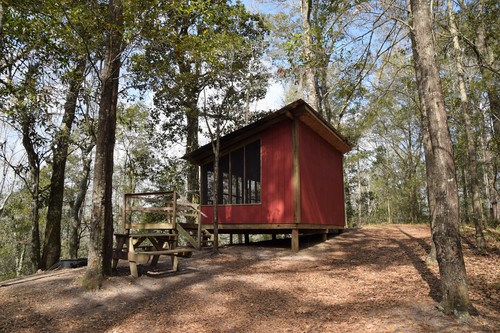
<point x="276" y="184"/>
<point x="321" y="180"/>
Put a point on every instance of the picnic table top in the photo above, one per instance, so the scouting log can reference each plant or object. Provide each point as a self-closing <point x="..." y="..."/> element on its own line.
<point x="147" y="235"/>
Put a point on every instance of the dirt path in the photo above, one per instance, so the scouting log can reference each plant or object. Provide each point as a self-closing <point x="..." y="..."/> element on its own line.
<point x="372" y="279"/>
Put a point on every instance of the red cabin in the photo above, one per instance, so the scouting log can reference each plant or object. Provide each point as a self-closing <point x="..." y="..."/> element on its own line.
<point x="279" y="175"/>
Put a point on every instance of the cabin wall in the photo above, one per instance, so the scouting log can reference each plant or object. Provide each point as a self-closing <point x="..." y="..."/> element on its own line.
<point x="321" y="180"/>
<point x="276" y="188"/>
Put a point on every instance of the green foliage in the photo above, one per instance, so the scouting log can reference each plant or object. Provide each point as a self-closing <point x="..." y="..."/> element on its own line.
<point x="190" y="47"/>
<point x="14" y="236"/>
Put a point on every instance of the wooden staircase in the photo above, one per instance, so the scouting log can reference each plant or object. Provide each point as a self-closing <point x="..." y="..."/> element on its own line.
<point x="189" y="232"/>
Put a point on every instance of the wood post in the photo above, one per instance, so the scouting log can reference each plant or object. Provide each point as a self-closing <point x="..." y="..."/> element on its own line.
<point x="247" y="238"/>
<point x="174" y="217"/>
<point x="198" y="208"/>
<point x="295" y="240"/>
<point x="175" y="263"/>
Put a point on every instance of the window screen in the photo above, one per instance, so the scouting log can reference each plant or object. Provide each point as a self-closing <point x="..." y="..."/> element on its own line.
<point x="239" y="177"/>
<point x="252" y="172"/>
<point x="237" y="173"/>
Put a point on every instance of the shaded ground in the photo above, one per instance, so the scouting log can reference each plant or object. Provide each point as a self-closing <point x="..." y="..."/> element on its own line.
<point x="372" y="279"/>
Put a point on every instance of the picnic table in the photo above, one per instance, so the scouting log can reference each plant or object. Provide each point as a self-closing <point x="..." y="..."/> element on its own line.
<point x="138" y="248"/>
<point x="148" y="236"/>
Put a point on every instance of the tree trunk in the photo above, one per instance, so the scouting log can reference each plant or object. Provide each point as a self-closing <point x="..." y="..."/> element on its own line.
<point x="192" y="116"/>
<point x="35" y="220"/>
<point x="52" y="240"/>
<point x="465" y="196"/>
<point x="101" y="222"/>
<point x="324" y="90"/>
<point x="1" y="30"/>
<point x="431" y="256"/>
<point x="20" y="261"/>
<point x="360" y="197"/>
<point x="445" y="215"/>
<point x="489" y="176"/>
<point x="465" y="110"/>
<point x="216" y="149"/>
<point x="27" y="124"/>
<point x="76" y="205"/>
<point x="486" y="60"/>
<point x="311" y="80"/>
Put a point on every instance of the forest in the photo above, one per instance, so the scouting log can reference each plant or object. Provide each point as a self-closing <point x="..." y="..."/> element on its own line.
<point x="103" y="97"/>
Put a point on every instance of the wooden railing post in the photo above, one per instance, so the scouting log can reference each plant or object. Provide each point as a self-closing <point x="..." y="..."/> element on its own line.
<point x="199" y="225"/>
<point x="124" y="212"/>
<point x="174" y="218"/>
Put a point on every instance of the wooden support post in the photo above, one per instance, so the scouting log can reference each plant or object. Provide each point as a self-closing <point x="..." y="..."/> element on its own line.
<point x="174" y="204"/>
<point x="124" y="212"/>
<point x="325" y="236"/>
<point x="133" y="265"/>
<point x="175" y="263"/>
<point x="273" y="237"/>
<point x="117" y="252"/>
<point x="230" y="239"/>
<point x="199" y="226"/>
<point x="295" y="240"/>
<point x="247" y="238"/>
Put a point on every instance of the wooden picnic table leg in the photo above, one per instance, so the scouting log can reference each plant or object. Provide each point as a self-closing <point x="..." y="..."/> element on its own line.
<point x="132" y="257"/>
<point x="120" y="241"/>
<point x="158" y="244"/>
<point x="175" y="262"/>
<point x="132" y="264"/>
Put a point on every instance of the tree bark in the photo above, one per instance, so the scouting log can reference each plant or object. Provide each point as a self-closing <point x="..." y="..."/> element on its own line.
<point x="441" y="166"/>
<point x="2" y="11"/>
<point x="101" y="222"/>
<point x="466" y="112"/>
<point x="489" y="176"/>
<point x="465" y="196"/>
<point x="431" y="256"/>
<point x="311" y="79"/>
<point x="76" y="205"/>
<point x="20" y="261"/>
<point x="27" y="130"/>
<point x="35" y="215"/>
<point x="216" y="149"/>
<point x="52" y="240"/>
<point x="1" y="29"/>
<point x="486" y="60"/>
<point x="326" y="107"/>
<point x="192" y="115"/>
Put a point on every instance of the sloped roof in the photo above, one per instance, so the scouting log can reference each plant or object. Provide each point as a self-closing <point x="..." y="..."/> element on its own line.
<point x="299" y="110"/>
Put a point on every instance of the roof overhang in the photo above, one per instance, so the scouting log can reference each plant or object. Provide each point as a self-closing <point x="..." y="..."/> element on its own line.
<point x="297" y="110"/>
